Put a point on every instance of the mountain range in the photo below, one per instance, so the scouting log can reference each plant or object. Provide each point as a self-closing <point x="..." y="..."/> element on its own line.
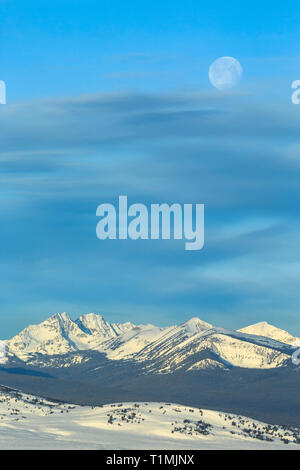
<point x="192" y="345"/>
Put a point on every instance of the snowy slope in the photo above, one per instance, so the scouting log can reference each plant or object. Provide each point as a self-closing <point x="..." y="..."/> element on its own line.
<point x="94" y="324"/>
<point x="128" y="345"/>
<point x="29" y="422"/>
<point x="223" y="348"/>
<point x="269" y="331"/>
<point x="191" y="345"/>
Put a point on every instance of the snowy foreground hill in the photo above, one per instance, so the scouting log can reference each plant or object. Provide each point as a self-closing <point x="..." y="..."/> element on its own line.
<point x="192" y="345"/>
<point x="29" y="422"/>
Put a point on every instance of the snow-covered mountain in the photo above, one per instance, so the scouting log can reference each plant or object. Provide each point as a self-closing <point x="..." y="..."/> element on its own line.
<point x="211" y="348"/>
<point x="269" y="331"/>
<point x="32" y="422"/>
<point x="59" y="334"/>
<point x="189" y="346"/>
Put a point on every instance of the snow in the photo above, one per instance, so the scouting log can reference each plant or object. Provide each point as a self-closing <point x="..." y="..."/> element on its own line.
<point x="176" y="348"/>
<point x="133" y="341"/>
<point x="59" y="334"/>
<point x="28" y="422"/>
<point x="265" y="329"/>
<point x="195" y="325"/>
<point x="96" y="324"/>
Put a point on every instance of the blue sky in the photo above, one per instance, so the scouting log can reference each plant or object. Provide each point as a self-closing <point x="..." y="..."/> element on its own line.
<point x="108" y="98"/>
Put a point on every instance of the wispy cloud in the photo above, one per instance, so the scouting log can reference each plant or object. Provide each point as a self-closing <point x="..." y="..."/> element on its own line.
<point x="61" y="158"/>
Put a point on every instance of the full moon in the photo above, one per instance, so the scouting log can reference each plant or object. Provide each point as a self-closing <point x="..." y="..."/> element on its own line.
<point x="225" y="73"/>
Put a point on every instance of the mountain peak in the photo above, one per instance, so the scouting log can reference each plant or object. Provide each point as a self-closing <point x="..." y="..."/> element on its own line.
<point x="264" y="328"/>
<point x="92" y="316"/>
<point x="92" y="323"/>
<point x="262" y="324"/>
<point x="60" y="316"/>
<point x="195" y="324"/>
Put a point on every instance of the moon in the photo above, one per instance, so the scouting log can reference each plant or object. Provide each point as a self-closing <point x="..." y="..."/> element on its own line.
<point x="225" y="73"/>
